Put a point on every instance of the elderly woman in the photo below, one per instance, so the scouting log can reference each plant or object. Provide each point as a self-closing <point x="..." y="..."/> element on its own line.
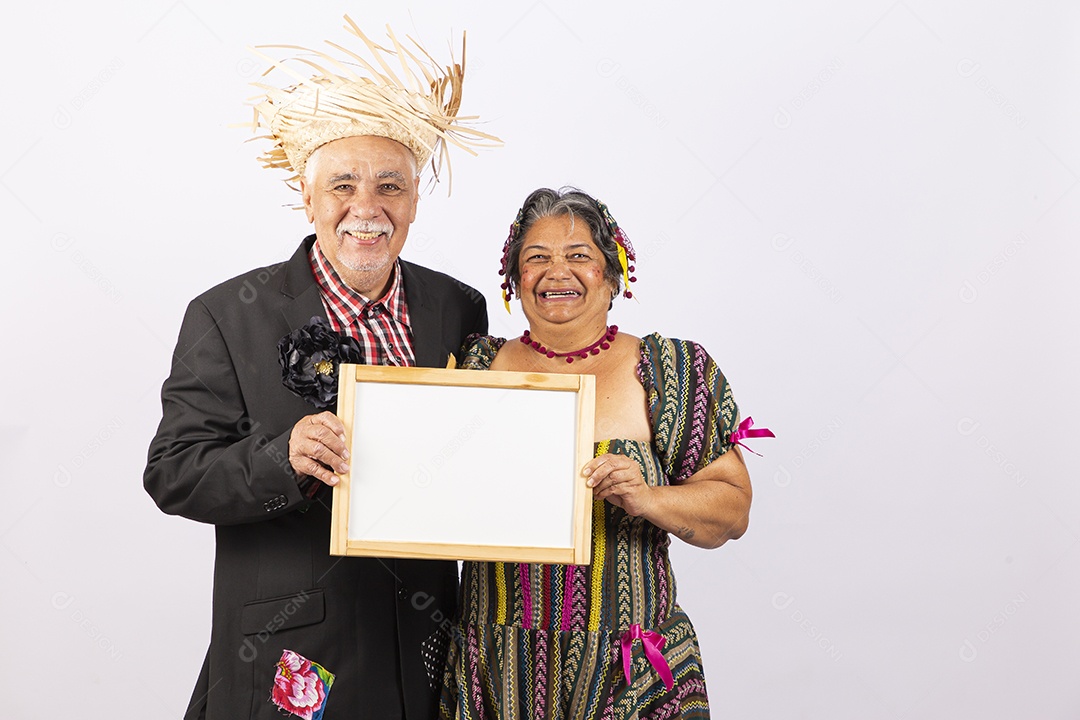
<point x="607" y="639"/>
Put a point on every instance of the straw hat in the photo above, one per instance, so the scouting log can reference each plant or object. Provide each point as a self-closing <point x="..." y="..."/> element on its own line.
<point x="397" y="95"/>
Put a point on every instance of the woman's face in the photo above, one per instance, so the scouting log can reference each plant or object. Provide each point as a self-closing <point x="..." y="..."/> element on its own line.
<point x="562" y="273"/>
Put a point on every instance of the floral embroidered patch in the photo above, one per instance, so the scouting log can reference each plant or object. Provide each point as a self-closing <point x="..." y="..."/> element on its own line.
<point x="301" y="686"/>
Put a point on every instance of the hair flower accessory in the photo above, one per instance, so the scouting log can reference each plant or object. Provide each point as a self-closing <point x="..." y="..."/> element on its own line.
<point x="309" y="358"/>
<point x="301" y="686"/>
<point x="626" y="250"/>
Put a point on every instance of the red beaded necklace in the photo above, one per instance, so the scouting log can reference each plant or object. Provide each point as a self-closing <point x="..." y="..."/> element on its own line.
<point x="602" y="344"/>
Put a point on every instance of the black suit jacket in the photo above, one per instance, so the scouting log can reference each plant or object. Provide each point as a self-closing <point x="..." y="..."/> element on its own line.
<point x="220" y="456"/>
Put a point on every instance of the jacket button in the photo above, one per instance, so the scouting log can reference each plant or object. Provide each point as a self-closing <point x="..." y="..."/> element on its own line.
<point x="403" y="594"/>
<point x="276" y="503"/>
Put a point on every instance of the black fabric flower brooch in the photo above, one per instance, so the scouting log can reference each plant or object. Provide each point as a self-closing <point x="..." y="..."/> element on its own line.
<point x="309" y="358"/>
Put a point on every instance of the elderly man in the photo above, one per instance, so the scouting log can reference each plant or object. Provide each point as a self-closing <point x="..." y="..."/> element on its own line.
<point x="236" y="449"/>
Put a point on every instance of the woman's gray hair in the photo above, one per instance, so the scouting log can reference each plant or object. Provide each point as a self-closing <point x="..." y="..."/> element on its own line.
<point x="565" y="202"/>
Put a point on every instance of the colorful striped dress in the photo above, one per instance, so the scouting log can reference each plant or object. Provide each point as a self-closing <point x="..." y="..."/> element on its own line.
<point x="547" y="641"/>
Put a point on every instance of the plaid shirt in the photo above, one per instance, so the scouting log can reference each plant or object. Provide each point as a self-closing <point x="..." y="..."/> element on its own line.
<point x="381" y="326"/>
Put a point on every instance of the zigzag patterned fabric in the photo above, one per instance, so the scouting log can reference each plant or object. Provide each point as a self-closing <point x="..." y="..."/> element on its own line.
<point x="543" y="641"/>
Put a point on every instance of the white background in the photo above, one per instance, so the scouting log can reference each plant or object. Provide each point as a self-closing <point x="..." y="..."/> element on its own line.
<point x="862" y="209"/>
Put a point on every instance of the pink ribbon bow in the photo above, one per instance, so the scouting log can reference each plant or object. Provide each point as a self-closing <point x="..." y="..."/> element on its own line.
<point x="652" y="643"/>
<point x="746" y="429"/>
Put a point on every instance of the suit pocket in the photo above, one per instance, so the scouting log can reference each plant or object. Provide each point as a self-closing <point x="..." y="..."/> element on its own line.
<point x="266" y="617"/>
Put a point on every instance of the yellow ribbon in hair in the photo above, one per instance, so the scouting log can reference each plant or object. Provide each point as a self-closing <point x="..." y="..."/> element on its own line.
<point x="624" y="264"/>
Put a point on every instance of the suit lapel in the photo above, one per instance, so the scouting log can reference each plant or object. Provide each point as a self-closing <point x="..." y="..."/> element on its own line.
<point x="423" y="320"/>
<point x="298" y="303"/>
<point x="301" y="299"/>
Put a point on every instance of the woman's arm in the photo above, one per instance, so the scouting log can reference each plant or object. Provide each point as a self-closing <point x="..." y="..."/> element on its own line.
<point x="707" y="509"/>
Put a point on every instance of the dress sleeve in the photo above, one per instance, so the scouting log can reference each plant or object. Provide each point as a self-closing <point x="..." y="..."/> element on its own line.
<point x="692" y="410"/>
<point x="479" y="351"/>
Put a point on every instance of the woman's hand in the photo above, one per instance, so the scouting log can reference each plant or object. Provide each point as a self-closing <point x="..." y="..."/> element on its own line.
<point x="706" y="509"/>
<point x="618" y="479"/>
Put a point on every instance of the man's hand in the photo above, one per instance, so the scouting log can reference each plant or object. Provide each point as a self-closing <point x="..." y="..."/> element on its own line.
<point x="317" y="447"/>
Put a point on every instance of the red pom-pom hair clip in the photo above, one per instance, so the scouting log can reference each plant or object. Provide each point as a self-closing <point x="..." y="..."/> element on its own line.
<point x="507" y="286"/>
<point x="626" y="250"/>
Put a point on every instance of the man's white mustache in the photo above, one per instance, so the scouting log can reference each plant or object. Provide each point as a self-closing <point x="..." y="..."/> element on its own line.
<point x="364" y="227"/>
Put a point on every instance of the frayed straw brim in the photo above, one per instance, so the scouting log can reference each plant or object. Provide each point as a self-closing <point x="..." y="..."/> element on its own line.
<point x="417" y="106"/>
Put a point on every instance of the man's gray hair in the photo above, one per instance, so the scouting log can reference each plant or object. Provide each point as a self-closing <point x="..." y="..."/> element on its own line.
<point x="309" y="166"/>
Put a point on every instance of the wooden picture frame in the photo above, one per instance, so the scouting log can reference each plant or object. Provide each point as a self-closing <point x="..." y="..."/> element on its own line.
<point x="464" y="465"/>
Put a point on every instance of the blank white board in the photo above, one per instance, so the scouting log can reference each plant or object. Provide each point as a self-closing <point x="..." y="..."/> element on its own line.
<point x="464" y="464"/>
